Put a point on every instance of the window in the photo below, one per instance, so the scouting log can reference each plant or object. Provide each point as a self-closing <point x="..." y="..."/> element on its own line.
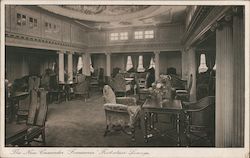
<point x="114" y="36"/>
<point x="31" y="22"/>
<point x="129" y="63"/>
<point x="203" y="66"/>
<point x="140" y="64"/>
<point x="23" y="20"/>
<point x="35" y="22"/>
<point x="123" y="35"/>
<point x="46" y="25"/>
<point x="149" y="34"/>
<point x="18" y="19"/>
<point x="138" y="34"/>
<point x="152" y="63"/>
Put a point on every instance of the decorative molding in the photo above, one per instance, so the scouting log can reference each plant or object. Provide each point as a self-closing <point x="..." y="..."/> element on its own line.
<point x="210" y="17"/>
<point x="145" y="47"/>
<point x="22" y="40"/>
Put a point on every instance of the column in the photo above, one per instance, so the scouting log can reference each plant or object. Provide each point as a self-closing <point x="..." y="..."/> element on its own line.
<point x="70" y="66"/>
<point x="108" y="64"/>
<point x="86" y="64"/>
<point x="224" y="86"/>
<point x="61" y="66"/>
<point x="184" y="65"/>
<point x="157" y="65"/>
<point x="192" y="66"/>
<point x="239" y="78"/>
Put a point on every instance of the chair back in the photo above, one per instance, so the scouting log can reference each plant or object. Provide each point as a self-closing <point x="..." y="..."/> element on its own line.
<point x="109" y="95"/>
<point x="119" y="83"/>
<point x="42" y="110"/>
<point x="206" y="114"/>
<point x="32" y="108"/>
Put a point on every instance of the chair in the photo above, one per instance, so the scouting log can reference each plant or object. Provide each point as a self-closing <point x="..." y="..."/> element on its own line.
<point x="37" y="117"/>
<point x="122" y="113"/>
<point x="184" y="94"/>
<point x="119" y="85"/>
<point x="82" y="86"/>
<point x="200" y="120"/>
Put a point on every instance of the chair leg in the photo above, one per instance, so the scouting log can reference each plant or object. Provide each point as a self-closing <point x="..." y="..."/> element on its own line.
<point x="43" y="137"/>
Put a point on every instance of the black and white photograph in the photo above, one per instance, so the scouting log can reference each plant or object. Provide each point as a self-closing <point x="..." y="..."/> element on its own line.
<point x="124" y="79"/>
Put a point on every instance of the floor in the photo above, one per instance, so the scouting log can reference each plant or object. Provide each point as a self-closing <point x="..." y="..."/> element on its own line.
<point x="77" y="123"/>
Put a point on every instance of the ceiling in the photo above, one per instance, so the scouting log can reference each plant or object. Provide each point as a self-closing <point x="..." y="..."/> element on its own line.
<point x="116" y="16"/>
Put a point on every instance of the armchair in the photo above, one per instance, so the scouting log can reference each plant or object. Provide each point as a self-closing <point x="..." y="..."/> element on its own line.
<point x="200" y="120"/>
<point x="122" y="113"/>
<point x="82" y="86"/>
<point x="119" y="85"/>
<point x="184" y="94"/>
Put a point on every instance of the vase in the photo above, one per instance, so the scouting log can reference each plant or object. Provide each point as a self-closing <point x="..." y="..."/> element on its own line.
<point x="159" y="99"/>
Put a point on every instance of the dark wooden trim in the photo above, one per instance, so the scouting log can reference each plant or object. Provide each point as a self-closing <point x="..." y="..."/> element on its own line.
<point x="197" y="29"/>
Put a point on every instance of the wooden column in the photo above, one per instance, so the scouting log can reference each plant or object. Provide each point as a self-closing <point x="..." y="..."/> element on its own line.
<point x="61" y="66"/>
<point x="239" y="79"/>
<point x="224" y="86"/>
<point x="86" y="64"/>
<point x="108" y="64"/>
<point x="70" y="66"/>
<point x="184" y="65"/>
<point x="157" y="65"/>
<point x="192" y="68"/>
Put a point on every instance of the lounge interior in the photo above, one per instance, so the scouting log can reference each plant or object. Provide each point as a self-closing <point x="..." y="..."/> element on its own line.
<point x="124" y="76"/>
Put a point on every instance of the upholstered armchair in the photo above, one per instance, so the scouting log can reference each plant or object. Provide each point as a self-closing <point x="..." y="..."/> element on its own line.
<point x="122" y="113"/>
<point x="82" y="86"/>
<point x="200" y="120"/>
<point x="119" y="85"/>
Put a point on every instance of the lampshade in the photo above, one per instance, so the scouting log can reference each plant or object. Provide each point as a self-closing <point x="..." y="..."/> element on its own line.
<point x="140" y="64"/>
<point x="203" y="66"/>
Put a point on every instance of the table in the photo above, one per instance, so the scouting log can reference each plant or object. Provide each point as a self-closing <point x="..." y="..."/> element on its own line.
<point x="67" y="86"/>
<point x="167" y="107"/>
<point x="15" y="134"/>
<point x="14" y="99"/>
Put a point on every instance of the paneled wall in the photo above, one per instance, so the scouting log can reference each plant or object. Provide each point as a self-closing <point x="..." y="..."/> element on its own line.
<point x="47" y="26"/>
<point x="170" y="59"/>
<point x="20" y="62"/>
<point x="168" y="35"/>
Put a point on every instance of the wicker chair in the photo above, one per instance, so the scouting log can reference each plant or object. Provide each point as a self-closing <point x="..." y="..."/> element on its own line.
<point x="122" y="113"/>
<point x="200" y="120"/>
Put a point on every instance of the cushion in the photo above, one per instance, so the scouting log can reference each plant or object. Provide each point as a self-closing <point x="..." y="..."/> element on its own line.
<point x="109" y="95"/>
<point x="115" y="107"/>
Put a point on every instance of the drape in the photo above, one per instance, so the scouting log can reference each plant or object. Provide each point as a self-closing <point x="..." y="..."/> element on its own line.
<point x="146" y="61"/>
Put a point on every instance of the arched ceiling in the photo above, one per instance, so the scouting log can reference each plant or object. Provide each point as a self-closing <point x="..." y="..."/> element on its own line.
<point x="113" y="16"/>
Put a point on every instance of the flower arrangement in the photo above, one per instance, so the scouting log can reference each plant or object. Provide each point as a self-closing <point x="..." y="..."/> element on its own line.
<point x="161" y="89"/>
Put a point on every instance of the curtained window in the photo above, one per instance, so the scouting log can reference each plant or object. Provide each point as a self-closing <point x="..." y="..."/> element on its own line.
<point x="140" y="67"/>
<point x="79" y="64"/>
<point x="203" y="66"/>
<point x="129" y="64"/>
<point x="152" y="63"/>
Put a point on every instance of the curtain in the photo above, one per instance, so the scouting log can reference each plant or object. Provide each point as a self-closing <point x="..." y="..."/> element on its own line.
<point x="146" y="61"/>
<point x="135" y="60"/>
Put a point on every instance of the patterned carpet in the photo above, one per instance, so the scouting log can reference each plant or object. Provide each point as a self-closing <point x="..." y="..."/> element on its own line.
<point x="82" y="124"/>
